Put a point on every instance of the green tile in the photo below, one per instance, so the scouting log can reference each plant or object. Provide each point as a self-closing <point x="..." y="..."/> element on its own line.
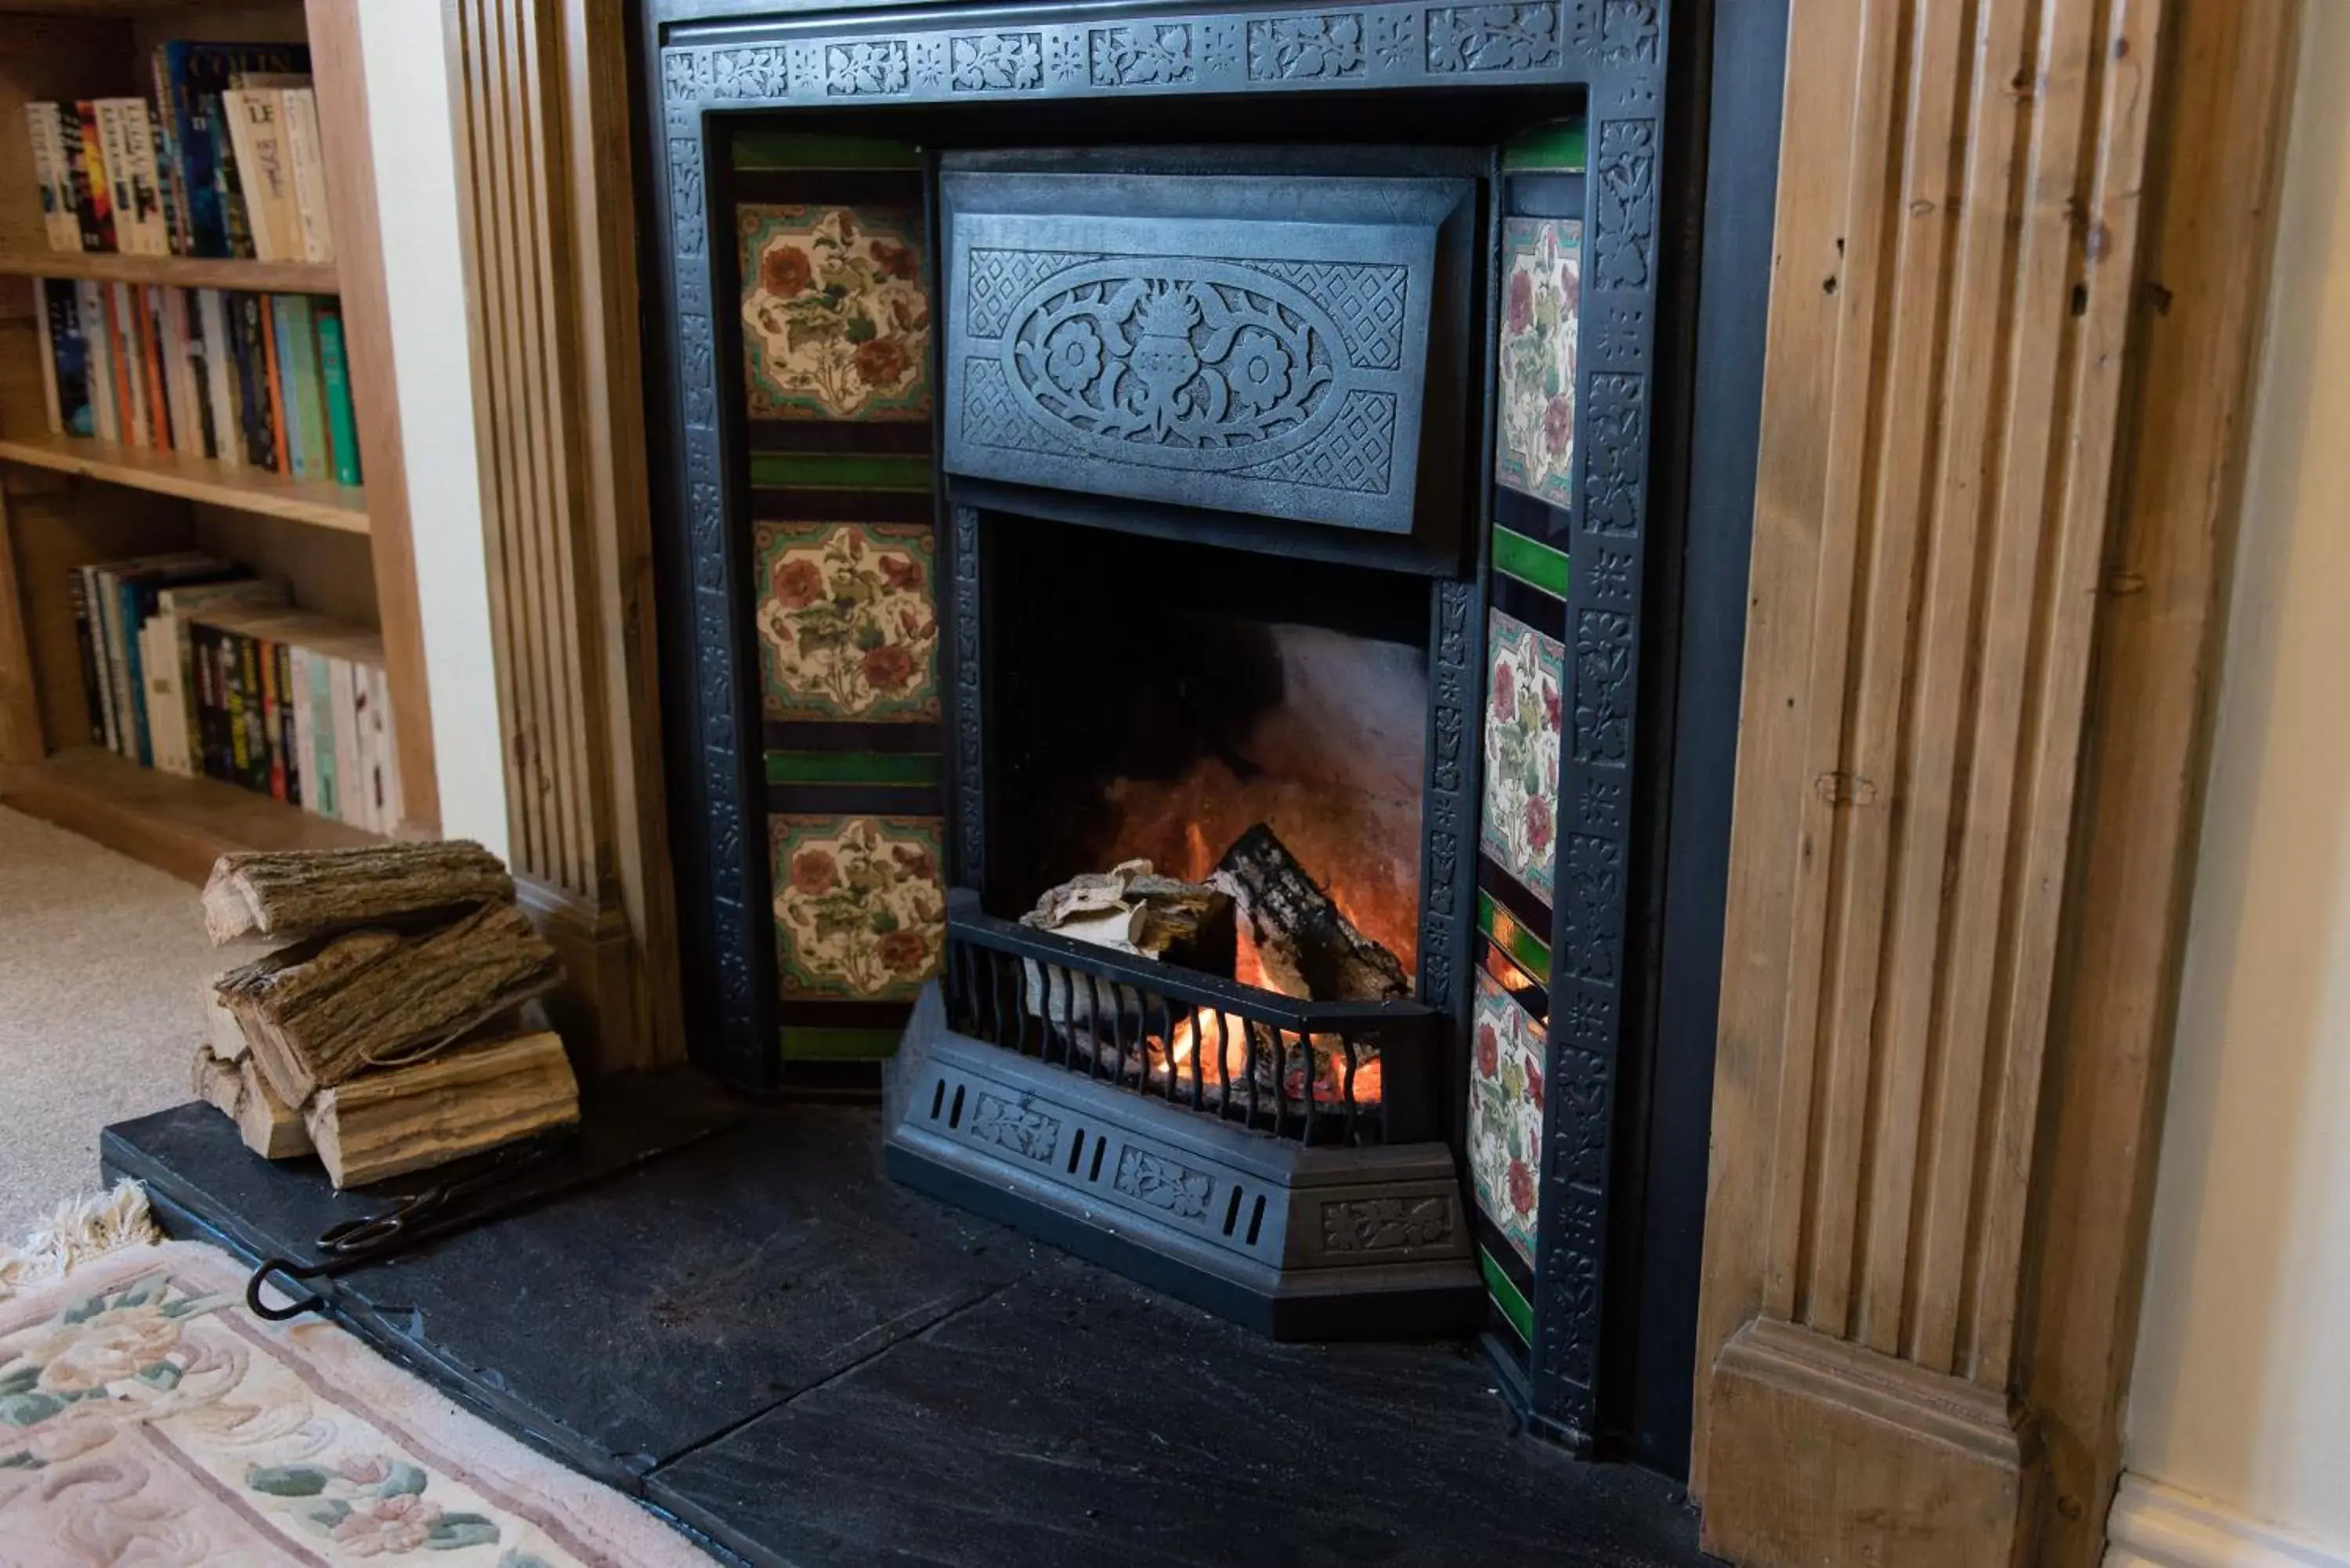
<point x="1530" y="561"/>
<point x="838" y="1044"/>
<point x="838" y="471"/>
<point x="1558" y="149"/>
<point x="1507" y="1296"/>
<point x="852" y="767"/>
<point x="757" y="148"/>
<point x="1528" y="951"/>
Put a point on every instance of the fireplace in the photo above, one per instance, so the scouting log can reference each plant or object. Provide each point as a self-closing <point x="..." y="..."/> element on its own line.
<point x="1274" y="449"/>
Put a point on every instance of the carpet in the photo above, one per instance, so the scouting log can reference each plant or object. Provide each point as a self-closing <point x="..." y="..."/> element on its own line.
<point x="99" y="961"/>
<point x="147" y="1417"/>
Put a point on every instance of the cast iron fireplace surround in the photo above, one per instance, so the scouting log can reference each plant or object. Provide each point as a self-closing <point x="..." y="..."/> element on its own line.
<point x="1655" y="535"/>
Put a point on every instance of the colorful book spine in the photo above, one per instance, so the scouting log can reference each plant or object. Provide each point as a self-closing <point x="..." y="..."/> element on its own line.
<point x="220" y="374"/>
<point x="89" y="296"/>
<point x="59" y="221"/>
<point x="322" y="795"/>
<point x="68" y="356"/>
<point x="280" y="458"/>
<point x="289" y="722"/>
<point x="97" y="226"/>
<point x="334" y="376"/>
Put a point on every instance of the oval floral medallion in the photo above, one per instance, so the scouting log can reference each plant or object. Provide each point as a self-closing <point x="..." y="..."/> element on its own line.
<point x="1175" y="362"/>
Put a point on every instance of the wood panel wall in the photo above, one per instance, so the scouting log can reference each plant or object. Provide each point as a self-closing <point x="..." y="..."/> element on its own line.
<point x="1968" y="350"/>
<point x="540" y="93"/>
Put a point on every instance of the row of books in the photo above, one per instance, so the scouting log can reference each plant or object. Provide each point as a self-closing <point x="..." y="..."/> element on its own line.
<point x="246" y="380"/>
<point x="227" y="161"/>
<point x="195" y="668"/>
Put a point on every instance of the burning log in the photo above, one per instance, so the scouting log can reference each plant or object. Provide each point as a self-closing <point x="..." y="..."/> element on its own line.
<point x="1308" y="947"/>
<point x="1131" y="910"/>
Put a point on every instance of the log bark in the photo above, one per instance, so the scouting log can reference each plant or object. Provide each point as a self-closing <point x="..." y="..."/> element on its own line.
<point x="1308" y="947"/>
<point x="234" y="1087"/>
<point x="299" y="893"/>
<point x="320" y="1012"/>
<point x="409" y="1118"/>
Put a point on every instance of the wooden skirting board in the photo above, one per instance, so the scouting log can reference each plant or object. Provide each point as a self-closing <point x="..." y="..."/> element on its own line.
<point x="2157" y="1526"/>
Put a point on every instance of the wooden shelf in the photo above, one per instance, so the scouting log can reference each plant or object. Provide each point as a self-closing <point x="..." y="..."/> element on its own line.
<point x="180" y="271"/>
<point x="319" y="502"/>
<point x="175" y="824"/>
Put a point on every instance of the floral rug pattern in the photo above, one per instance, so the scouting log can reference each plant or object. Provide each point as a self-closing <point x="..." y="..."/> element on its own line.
<point x="146" y="1417"/>
<point x="861" y="910"/>
<point x="836" y="323"/>
<point x="1505" y="1115"/>
<point x="847" y="628"/>
<point x="1535" y="448"/>
<point x="1522" y="727"/>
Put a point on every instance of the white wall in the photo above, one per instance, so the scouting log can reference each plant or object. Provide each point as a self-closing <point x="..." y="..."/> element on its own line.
<point x="416" y="185"/>
<point x="2240" y="1399"/>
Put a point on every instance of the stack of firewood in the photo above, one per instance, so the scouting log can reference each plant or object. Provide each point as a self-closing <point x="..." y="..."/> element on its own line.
<point x="387" y="1023"/>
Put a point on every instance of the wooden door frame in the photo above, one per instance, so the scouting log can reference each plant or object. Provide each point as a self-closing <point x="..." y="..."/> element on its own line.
<point x="1870" y="1390"/>
<point x="1818" y="1440"/>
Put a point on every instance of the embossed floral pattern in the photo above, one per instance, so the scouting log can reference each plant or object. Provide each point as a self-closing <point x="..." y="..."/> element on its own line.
<point x="1535" y="448"/>
<point x="847" y="627"/>
<point x="861" y="910"/>
<point x="1523" y="725"/>
<point x="1505" y="1115"/>
<point x="836" y="323"/>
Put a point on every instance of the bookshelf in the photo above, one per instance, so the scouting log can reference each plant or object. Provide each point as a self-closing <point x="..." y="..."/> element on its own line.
<point x="66" y="501"/>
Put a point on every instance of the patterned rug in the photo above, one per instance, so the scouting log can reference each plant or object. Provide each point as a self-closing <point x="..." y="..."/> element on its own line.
<point x="147" y="1417"/>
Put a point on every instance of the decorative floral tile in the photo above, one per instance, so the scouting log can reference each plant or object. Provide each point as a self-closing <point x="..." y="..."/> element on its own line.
<point x="835" y="324"/>
<point x="1523" y="695"/>
<point x="861" y="912"/>
<point x="1534" y="449"/>
<point x="848" y="628"/>
<point x="1505" y="1115"/>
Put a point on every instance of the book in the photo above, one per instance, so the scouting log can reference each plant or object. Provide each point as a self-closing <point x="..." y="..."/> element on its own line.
<point x="220" y="375"/>
<point x="89" y="300"/>
<point x="273" y="381"/>
<point x="147" y="309"/>
<point x="316" y="679"/>
<point x="236" y="220"/>
<point x="253" y="389"/>
<point x="190" y="75"/>
<point x="69" y="354"/>
<point x="305" y="408"/>
<point x="139" y="587"/>
<point x="140" y="185"/>
<point x="263" y="172"/>
<point x="129" y="362"/>
<point x="306" y="151"/>
<point x="335" y="380"/>
<point x="177" y="609"/>
<point x="78" y="596"/>
<point x="59" y="219"/>
<point x="389" y="808"/>
<point x="97" y="226"/>
<point x="50" y="403"/>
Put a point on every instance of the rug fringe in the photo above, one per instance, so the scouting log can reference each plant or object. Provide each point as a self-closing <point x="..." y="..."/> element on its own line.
<point x="80" y="1229"/>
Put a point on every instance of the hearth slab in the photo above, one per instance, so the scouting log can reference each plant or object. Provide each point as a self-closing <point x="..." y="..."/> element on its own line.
<point x="628" y="1320"/>
<point x="1077" y="1421"/>
<point x="770" y="1343"/>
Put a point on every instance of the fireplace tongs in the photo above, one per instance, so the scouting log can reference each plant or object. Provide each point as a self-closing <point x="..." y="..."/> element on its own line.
<point x="412" y="1219"/>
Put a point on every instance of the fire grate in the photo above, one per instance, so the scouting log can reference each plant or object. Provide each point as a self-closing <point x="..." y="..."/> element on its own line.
<point x="1319" y="1072"/>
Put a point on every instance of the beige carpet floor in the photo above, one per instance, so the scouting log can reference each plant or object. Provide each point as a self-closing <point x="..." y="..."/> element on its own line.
<point x="99" y="961"/>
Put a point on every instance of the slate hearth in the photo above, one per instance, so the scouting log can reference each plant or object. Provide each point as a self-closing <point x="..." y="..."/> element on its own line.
<point x="821" y="1366"/>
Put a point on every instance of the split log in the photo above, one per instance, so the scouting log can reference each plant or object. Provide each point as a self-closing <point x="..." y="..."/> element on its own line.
<point x="409" y="1118"/>
<point x="1131" y="910"/>
<point x="1310" y="950"/>
<point x="222" y="1035"/>
<point x="234" y="1087"/>
<point x="304" y="892"/>
<point x="320" y="1012"/>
